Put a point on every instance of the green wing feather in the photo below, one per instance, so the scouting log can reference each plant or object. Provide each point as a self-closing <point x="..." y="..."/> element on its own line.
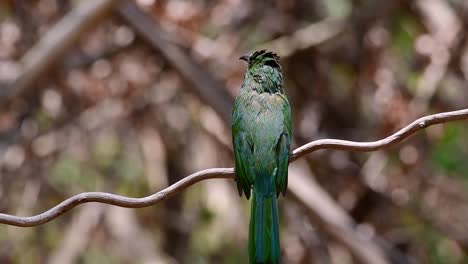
<point x="242" y="153"/>
<point x="283" y="147"/>
<point x="243" y="148"/>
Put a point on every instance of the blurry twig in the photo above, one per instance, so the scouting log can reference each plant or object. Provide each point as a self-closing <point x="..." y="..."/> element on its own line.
<point x="134" y="243"/>
<point x="324" y="212"/>
<point x="312" y="35"/>
<point x="78" y="234"/>
<point x="38" y="60"/>
<point x="444" y="29"/>
<point x="224" y="173"/>
<point x="205" y="86"/>
<point x="81" y="59"/>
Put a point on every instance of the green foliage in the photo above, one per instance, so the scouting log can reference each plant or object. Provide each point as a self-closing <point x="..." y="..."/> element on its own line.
<point x="43" y="120"/>
<point x="70" y="174"/>
<point x="129" y="172"/>
<point x="440" y="249"/>
<point x="105" y="151"/>
<point x="451" y="152"/>
<point x="404" y="32"/>
<point x="95" y="255"/>
<point x="338" y="8"/>
<point x="413" y="81"/>
<point x="4" y="10"/>
<point x="343" y="76"/>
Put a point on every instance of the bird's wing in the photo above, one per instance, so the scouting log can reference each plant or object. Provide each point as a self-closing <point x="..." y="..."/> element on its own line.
<point x="243" y="153"/>
<point x="283" y="146"/>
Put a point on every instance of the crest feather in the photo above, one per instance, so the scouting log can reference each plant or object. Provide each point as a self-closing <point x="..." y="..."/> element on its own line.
<point x="265" y="54"/>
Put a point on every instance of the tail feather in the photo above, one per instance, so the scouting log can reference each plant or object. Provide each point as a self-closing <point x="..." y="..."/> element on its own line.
<point x="264" y="246"/>
<point x="275" y="244"/>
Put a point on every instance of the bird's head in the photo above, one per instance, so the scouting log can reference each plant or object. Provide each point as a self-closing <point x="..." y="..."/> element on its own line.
<point x="263" y="73"/>
<point x="261" y="58"/>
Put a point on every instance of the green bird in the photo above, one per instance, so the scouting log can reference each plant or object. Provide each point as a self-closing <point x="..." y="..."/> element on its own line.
<point x="261" y="134"/>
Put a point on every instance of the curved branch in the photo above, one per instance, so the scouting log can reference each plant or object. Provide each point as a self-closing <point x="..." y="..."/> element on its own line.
<point x="391" y="140"/>
<point x="117" y="200"/>
<point x="225" y="173"/>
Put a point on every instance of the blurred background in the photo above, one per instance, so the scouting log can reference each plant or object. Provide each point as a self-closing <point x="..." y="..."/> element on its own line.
<point x="130" y="96"/>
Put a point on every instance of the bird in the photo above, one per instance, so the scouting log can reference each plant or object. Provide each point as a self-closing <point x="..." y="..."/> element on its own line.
<point x="261" y="135"/>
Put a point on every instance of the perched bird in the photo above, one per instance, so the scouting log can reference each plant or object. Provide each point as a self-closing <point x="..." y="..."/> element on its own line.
<point x="261" y="134"/>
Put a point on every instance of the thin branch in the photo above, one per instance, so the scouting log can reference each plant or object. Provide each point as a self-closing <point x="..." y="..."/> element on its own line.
<point x="225" y="173"/>
<point x="392" y="140"/>
<point x="117" y="200"/>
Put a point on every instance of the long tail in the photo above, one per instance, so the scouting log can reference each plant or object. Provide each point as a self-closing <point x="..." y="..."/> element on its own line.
<point x="264" y="246"/>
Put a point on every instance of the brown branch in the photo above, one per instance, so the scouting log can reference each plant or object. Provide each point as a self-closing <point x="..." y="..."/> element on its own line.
<point x="117" y="200"/>
<point x="391" y="140"/>
<point x="224" y="173"/>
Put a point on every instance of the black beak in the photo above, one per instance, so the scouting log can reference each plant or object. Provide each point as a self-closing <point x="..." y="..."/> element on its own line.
<point x="245" y="58"/>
